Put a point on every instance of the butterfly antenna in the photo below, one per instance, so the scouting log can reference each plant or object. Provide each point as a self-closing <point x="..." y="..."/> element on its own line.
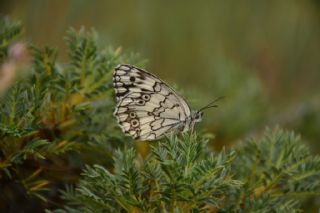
<point x="210" y="105"/>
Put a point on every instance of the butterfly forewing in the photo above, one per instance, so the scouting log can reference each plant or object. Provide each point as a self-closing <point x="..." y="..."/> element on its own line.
<point x="147" y="108"/>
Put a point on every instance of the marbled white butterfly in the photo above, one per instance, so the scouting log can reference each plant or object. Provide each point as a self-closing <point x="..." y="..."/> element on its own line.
<point x="147" y="108"/>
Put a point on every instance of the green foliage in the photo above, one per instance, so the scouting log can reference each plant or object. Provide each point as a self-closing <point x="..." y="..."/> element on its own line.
<point x="56" y="118"/>
<point x="278" y="170"/>
<point x="53" y="117"/>
<point x="178" y="175"/>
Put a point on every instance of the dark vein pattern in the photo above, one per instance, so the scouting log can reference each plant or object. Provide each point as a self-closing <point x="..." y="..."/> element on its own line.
<point x="147" y="108"/>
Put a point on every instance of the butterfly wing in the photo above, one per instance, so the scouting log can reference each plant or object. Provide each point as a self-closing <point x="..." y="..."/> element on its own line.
<point x="147" y="107"/>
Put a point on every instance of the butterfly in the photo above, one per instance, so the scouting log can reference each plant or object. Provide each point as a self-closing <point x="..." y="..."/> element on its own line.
<point x="147" y="108"/>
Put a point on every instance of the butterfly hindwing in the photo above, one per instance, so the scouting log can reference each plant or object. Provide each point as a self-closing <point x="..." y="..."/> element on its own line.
<point x="147" y="107"/>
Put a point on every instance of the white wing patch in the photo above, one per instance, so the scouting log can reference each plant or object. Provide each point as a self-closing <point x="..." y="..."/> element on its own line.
<point x="147" y="108"/>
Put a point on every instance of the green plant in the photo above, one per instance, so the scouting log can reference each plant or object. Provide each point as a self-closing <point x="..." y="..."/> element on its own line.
<point x="180" y="175"/>
<point x="55" y="121"/>
<point x="278" y="172"/>
<point x="53" y="115"/>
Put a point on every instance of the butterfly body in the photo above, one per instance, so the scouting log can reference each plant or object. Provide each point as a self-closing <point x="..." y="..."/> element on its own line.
<point x="147" y="108"/>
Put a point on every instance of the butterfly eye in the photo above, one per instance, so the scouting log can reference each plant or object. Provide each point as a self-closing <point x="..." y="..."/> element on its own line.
<point x="198" y="115"/>
<point x="134" y="122"/>
<point x="146" y="97"/>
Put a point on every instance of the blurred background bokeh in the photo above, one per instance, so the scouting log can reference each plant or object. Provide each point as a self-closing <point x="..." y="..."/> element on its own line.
<point x="262" y="55"/>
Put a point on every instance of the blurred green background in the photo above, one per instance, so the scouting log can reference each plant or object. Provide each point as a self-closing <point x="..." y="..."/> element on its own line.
<point x="262" y="55"/>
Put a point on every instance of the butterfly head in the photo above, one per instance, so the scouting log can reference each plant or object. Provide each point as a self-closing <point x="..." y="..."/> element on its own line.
<point x="197" y="116"/>
<point x="194" y="118"/>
